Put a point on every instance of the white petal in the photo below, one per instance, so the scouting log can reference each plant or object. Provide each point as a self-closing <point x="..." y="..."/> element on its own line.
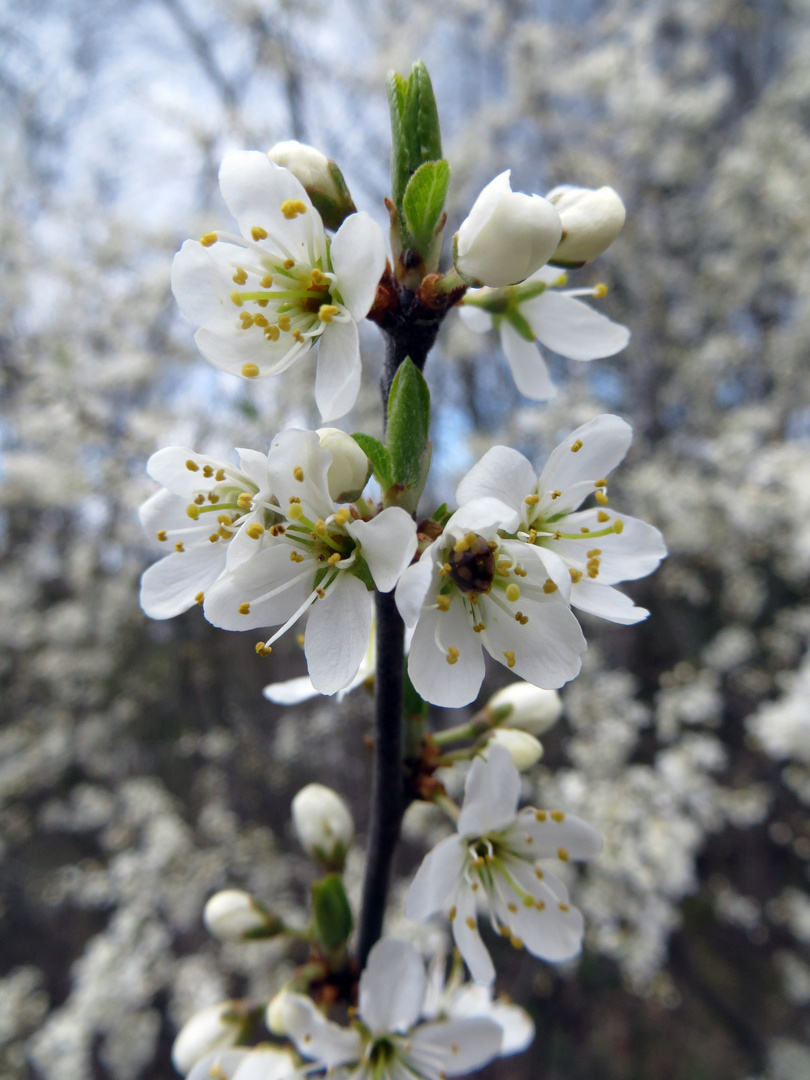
<point x="475" y="318"/>
<point x="538" y="835"/>
<point x="436" y="879"/>
<point x="502" y="474"/>
<point x="230" y="352"/>
<point x="290" y="692"/>
<point x="358" y="258"/>
<point x="515" y="1022"/>
<point x="337" y="380"/>
<point x="253" y="463"/>
<point x="388" y="542"/>
<point x="392" y="987"/>
<point x="554" y="566"/>
<point x="164" y="510"/>
<point x="337" y="634"/>
<point x="416" y="583"/>
<point x="263" y="1063"/>
<point x="606" y="602"/>
<point x="168" y="467"/>
<point x="527" y="365"/>
<point x="626" y="556"/>
<point x="484" y="516"/>
<point x="202" y="283"/>
<point x="434" y="679"/>
<point x="222" y="1064"/>
<point x="172" y="585"/>
<point x="294" y="453"/>
<point x="491" y="794"/>
<point x="266" y="572"/>
<point x="463" y="1045"/>
<point x="316" y="1037"/>
<point x="468" y="940"/>
<point x="572" y="329"/>
<point x="605" y="441"/>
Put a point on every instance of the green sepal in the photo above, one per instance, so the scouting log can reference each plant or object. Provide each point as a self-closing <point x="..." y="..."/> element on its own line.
<point x="423" y="202"/>
<point x="441" y="514"/>
<point x="408" y="423"/>
<point x="520" y="324"/>
<point x="361" y="571"/>
<point x="378" y="456"/>
<point x="332" y="914"/>
<point x="397" y="88"/>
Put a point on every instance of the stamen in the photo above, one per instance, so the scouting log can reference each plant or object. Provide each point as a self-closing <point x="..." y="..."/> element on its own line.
<point x="244" y="609"/>
<point x="562" y="854"/>
<point x="266" y="281"/>
<point x="199" y="598"/>
<point x="549" y="587"/>
<point x="576" y="575"/>
<point x="208" y="239"/>
<point x="510" y="658"/>
<point x="618" y="527"/>
<point x="295" y="557"/>
<point x="236" y="298"/>
<point x="532" y="500"/>
<point x="576" y="447"/>
<point x="240" y="277"/>
<point x="245" y="500"/>
<point x="255" y="530"/>
<point x="192" y="466"/>
<point x="601" y="498"/>
<point x="556" y="493"/>
<point x="443" y="602"/>
<point x="558" y="816"/>
<point x="512" y="592"/>
<point x="162" y="535"/>
<point x="179" y="546"/>
<point x="262" y="649"/>
<point x="258" y="233"/>
<point x="291" y="208"/>
<point x="250" y="371"/>
<point x="327" y="312"/>
<point x="452" y="655"/>
<point x="298" y="473"/>
<point x="600" y="291"/>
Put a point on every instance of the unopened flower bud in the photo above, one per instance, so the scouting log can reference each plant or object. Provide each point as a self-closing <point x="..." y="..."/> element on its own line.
<point x="213" y="1028"/>
<point x="324" y="824"/>
<point x="591" y="221"/>
<point x="524" y="748"/>
<point x="506" y="236"/>
<point x="349" y="471"/>
<point x="274" y="1016"/>
<point x="321" y="178"/>
<point x="233" y="915"/>
<point x="527" y="707"/>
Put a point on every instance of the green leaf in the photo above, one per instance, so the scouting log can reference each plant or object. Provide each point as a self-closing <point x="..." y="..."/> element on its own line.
<point x="423" y="201"/>
<point x="397" y="88"/>
<point x="332" y="913"/>
<point x="408" y="423"/>
<point x="378" y="456"/>
<point x="420" y="118"/>
<point x="440" y="514"/>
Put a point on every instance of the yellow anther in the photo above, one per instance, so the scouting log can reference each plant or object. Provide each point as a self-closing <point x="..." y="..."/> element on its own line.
<point x="295" y="557"/>
<point x="299" y="640"/>
<point x="558" y="816"/>
<point x="564" y="908"/>
<point x="255" y="530"/>
<point x="240" y="277"/>
<point x="224" y="533"/>
<point x="528" y="901"/>
<point x="261" y="320"/>
<point x="298" y="336"/>
<point x="515" y="941"/>
<point x="295" y="511"/>
<point x="320" y="527"/>
<point x="600" y="291"/>
<point x="245" y="500"/>
<point x="521" y="572"/>
<point x="504" y="931"/>
<point x="443" y="602"/>
<point x="451" y="914"/>
<point x="593" y="571"/>
<point x="601" y="498"/>
<point x="327" y="312"/>
<point x="291" y="208"/>
<point x="602" y="516"/>
<point x="258" y="233"/>
<point x="220" y="475"/>
<point x="452" y="655"/>
<point x="342" y="516"/>
<point x="585" y="530"/>
<point x="549" y="587"/>
<point x="214" y="537"/>
<point x="474" y="886"/>
<point x="208" y="239"/>
<point x="461" y="546"/>
<point x="266" y="281"/>
<point x="244" y="608"/>
<point x="162" y="535"/>
<point x="272" y="333"/>
<point x="262" y="649"/>
<point x="277" y="530"/>
<point x="193" y="511"/>
<point x="288" y="264"/>
<point x="541" y="815"/>
<point x="510" y="658"/>
<point x="532" y="500"/>
<point x="319" y="279"/>
<point x="618" y="526"/>
<point x="298" y="473"/>
<point x="224" y="519"/>
<point x="470" y="921"/>
<point x="321" y="593"/>
<point x="446" y="568"/>
<point x="594" y="553"/>
<point x="295" y="499"/>
<point x="576" y="447"/>
<point x="334" y="558"/>
<point x="179" y="546"/>
<point x="236" y="298"/>
<point x="540" y="904"/>
<point x="208" y="472"/>
<point x="576" y="575"/>
<point x="192" y="466"/>
<point x="213" y="498"/>
<point x="263" y="302"/>
<point x="519" y="618"/>
<point x="562" y="854"/>
<point x="600" y="483"/>
<point x="532" y="535"/>
<point x="454" y="1048"/>
<point x="556" y="493"/>
<point x="198" y="599"/>
<point x="512" y="592"/>
<point x="502" y="567"/>
<point x="284" y="323"/>
<point x="512" y="908"/>
<point x="250" y="371"/>
<point x="479" y="627"/>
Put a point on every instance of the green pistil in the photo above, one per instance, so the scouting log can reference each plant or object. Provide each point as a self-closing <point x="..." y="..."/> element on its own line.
<point x="292" y="294"/>
<point x="216" y="507"/>
<point x="584" y="536"/>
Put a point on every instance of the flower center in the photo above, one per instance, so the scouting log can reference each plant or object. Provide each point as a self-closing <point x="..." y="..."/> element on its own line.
<point x="472" y="564"/>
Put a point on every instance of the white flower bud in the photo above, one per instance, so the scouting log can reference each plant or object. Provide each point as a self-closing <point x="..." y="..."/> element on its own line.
<point x="233" y="915"/>
<point x="216" y="1027"/>
<point x="349" y="470"/>
<point x="591" y="221"/>
<point x="530" y="708"/>
<point x="506" y="236"/>
<point x="323" y="823"/>
<point x="308" y="165"/>
<point x="524" y="748"/>
<point x="274" y="1016"/>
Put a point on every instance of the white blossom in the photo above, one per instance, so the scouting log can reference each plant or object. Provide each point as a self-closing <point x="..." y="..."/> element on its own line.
<point x="585" y="552"/>
<point x="350" y="467"/>
<point x="506" y="236"/>
<point x="323" y="823"/>
<point x="320" y="556"/>
<point x="233" y="915"/>
<point x="307" y="164"/>
<point x="591" y="221"/>
<point x="389" y="1043"/>
<point x="541" y="312"/>
<point x="262" y="299"/>
<point x="523" y="748"/>
<point x="494" y="859"/>
<point x="526" y="707"/>
<point x="213" y="1028"/>
<point x="472" y="590"/>
<point x="294" y="691"/>
<point x="258" y="1063"/>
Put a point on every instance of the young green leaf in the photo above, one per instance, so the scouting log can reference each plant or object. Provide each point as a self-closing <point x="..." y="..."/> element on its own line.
<point x="378" y="456"/>
<point x="408" y="423"/>
<point x="420" y="118"/>
<point x="332" y="913"/>
<point x="400" y="152"/>
<point x="423" y="201"/>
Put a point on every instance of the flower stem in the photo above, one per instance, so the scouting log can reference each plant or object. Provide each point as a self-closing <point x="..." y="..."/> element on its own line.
<point x="387" y="786"/>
